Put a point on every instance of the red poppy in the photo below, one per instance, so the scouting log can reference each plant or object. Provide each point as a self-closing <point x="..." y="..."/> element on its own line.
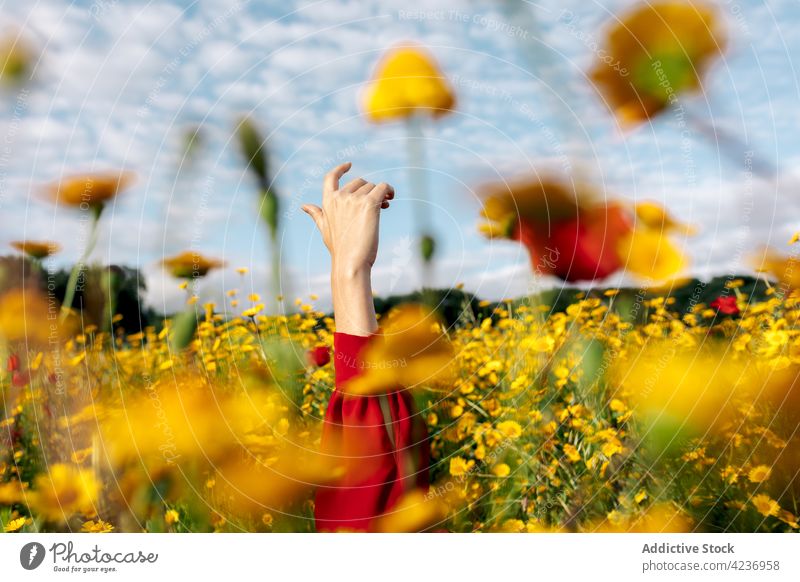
<point x="726" y="305"/>
<point x="583" y="248"/>
<point x="13" y="363"/>
<point x="318" y="356"/>
<point x="20" y="379"/>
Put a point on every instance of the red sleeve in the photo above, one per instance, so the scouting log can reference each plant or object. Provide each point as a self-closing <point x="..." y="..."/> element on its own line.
<point x="347" y="353"/>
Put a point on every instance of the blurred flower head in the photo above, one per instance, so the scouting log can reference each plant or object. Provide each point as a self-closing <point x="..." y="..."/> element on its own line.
<point x="64" y="491"/>
<point x="89" y="190"/>
<point x="650" y="255"/>
<point x="572" y="234"/>
<point x="680" y="392"/>
<point x="655" y="217"/>
<point x="318" y="356"/>
<point x="567" y="231"/>
<point x="409" y="350"/>
<point x="725" y="305"/>
<point x="17" y="59"/>
<point x="191" y="265"/>
<point x="30" y="316"/>
<point x="407" y="81"/>
<point x="785" y="269"/>
<point x="415" y="511"/>
<point x="655" y="52"/>
<point x="36" y="249"/>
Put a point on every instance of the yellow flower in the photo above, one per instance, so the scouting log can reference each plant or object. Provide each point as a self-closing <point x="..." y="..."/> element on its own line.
<point x="572" y="453"/>
<point x="253" y="311"/>
<point x="654" y="53"/>
<point x="501" y="470"/>
<point x="687" y="390"/>
<point x="510" y="429"/>
<point x="407" y="81"/>
<point x="191" y="265"/>
<point x="656" y="218"/>
<point x="31" y="316"/>
<point x="651" y="255"/>
<point x="788" y="518"/>
<point x="89" y="190"/>
<point x="11" y="492"/>
<point x="617" y="405"/>
<point x="785" y="269"/>
<point x="409" y="351"/>
<point x="98" y="526"/>
<point x="512" y="526"/>
<point x="641" y="496"/>
<point x="17" y="524"/>
<point x="36" y="249"/>
<point x="414" y="512"/>
<point x="459" y="466"/>
<point x="765" y="505"/>
<point x="267" y="519"/>
<point x="64" y="491"/>
<point x="171" y="517"/>
<point x="759" y="474"/>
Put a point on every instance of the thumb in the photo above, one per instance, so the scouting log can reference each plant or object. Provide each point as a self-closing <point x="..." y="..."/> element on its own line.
<point x="315" y="212"/>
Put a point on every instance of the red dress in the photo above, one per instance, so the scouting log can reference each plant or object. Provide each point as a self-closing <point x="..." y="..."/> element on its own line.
<point x="382" y="440"/>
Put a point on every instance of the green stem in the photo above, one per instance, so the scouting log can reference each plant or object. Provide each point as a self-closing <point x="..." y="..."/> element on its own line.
<point x="415" y="145"/>
<point x="732" y="146"/>
<point x="72" y="283"/>
<point x="275" y="256"/>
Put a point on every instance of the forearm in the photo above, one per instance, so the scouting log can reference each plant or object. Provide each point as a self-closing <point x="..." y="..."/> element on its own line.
<point x="353" y="307"/>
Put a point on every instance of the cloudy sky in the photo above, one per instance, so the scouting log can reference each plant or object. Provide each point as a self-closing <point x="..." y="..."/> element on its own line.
<point x="120" y="81"/>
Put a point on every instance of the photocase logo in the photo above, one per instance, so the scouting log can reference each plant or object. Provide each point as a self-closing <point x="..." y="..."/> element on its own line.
<point x="31" y="555"/>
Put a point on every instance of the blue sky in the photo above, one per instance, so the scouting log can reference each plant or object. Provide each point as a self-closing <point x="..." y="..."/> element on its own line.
<point x="120" y="81"/>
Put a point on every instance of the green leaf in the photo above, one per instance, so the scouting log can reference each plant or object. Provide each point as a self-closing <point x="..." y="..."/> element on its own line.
<point x="253" y="147"/>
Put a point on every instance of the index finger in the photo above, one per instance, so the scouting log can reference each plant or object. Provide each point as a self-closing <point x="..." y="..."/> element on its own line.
<point x="331" y="181"/>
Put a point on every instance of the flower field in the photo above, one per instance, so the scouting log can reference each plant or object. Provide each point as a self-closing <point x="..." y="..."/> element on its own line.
<point x="592" y="419"/>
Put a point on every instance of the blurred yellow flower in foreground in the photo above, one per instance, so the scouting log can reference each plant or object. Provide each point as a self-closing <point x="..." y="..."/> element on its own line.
<point x="409" y="350"/>
<point x="414" y="512"/>
<point x="406" y="81"/>
<point x="31" y="316"/>
<point x="655" y="52"/>
<point x="659" y="518"/>
<point x="11" y="492"/>
<point x="191" y="264"/>
<point x="651" y="255"/>
<point x="655" y="217"/>
<point x="255" y="486"/>
<point x="64" y="491"/>
<point x="679" y="391"/>
<point x="89" y="190"/>
<point x="183" y="417"/>
<point x="786" y="269"/>
<point x="36" y="249"/>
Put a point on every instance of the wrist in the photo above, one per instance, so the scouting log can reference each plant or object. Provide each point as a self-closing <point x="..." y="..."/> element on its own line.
<point x="353" y="307"/>
<point x="344" y="271"/>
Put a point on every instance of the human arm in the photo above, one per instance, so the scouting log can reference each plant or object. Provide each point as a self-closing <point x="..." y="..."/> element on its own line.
<point x="348" y="222"/>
